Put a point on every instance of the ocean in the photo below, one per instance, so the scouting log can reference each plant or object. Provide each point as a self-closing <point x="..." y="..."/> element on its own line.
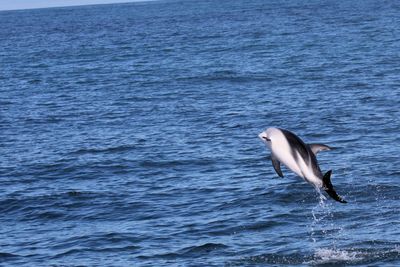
<point x="128" y="133"/>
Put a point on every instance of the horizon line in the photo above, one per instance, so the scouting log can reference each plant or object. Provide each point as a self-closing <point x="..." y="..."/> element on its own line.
<point x="77" y="5"/>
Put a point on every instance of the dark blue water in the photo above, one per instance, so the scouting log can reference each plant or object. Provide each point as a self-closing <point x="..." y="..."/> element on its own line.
<point x="128" y="133"/>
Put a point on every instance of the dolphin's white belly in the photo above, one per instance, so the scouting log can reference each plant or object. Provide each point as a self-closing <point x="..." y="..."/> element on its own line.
<point x="282" y="151"/>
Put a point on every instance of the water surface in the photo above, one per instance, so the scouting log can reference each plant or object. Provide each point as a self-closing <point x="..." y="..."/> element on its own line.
<point x="128" y="133"/>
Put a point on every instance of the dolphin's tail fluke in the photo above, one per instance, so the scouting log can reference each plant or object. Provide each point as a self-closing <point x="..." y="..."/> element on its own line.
<point x="328" y="187"/>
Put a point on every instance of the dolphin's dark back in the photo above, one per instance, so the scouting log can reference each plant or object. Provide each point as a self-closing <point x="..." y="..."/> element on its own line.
<point x="304" y="150"/>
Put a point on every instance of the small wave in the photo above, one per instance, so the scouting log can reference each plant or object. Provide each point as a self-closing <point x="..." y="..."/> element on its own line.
<point x="191" y="251"/>
<point x="47" y="206"/>
<point x="100" y="243"/>
<point x="49" y="215"/>
<point x="233" y="77"/>
<point x="5" y="255"/>
<point x="174" y="163"/>
<point x="207" y="247"/>
<point x="223" y="229"/>
<point x="75" y="251"/>
<point x="115" y="149"/>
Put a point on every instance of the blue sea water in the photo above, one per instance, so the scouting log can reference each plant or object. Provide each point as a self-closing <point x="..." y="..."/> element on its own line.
<point x="128" y="133"/>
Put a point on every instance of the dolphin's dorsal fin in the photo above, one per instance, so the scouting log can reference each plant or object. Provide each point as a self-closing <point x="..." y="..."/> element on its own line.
<point x="277" y="165"/>
<point x="315" y="148"/>
<point x="328" y="187"/>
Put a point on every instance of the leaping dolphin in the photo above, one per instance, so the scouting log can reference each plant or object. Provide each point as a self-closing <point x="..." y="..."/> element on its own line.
<point x="289" y="149"/>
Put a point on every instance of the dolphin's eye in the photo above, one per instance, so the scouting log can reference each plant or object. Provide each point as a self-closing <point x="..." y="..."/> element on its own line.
<point x="267" y="139"/>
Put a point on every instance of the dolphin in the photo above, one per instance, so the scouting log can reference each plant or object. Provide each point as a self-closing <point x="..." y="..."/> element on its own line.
<point x="289" y="149"/>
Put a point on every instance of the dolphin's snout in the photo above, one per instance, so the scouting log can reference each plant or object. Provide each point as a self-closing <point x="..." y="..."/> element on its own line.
<point x="263" y="136"/>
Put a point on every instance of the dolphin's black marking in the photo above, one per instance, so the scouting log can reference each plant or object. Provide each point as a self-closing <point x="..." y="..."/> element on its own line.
<point x="305" y="150"/>
<point x="277" y="165"/>
<point x="297" y="145"/>
<point x="328" y="187"/>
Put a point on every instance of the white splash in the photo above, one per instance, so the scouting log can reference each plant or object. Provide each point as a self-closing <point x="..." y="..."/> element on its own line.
<point x="326" y="255"/>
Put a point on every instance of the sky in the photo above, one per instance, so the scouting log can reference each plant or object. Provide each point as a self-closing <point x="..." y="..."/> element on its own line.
<point x="27" y="4"/>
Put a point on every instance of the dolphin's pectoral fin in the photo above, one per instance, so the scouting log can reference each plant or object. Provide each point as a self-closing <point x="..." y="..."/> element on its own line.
<point x="315" y="148"/>
<point x="328" y="187"/>
<point x="277" y="165"/>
